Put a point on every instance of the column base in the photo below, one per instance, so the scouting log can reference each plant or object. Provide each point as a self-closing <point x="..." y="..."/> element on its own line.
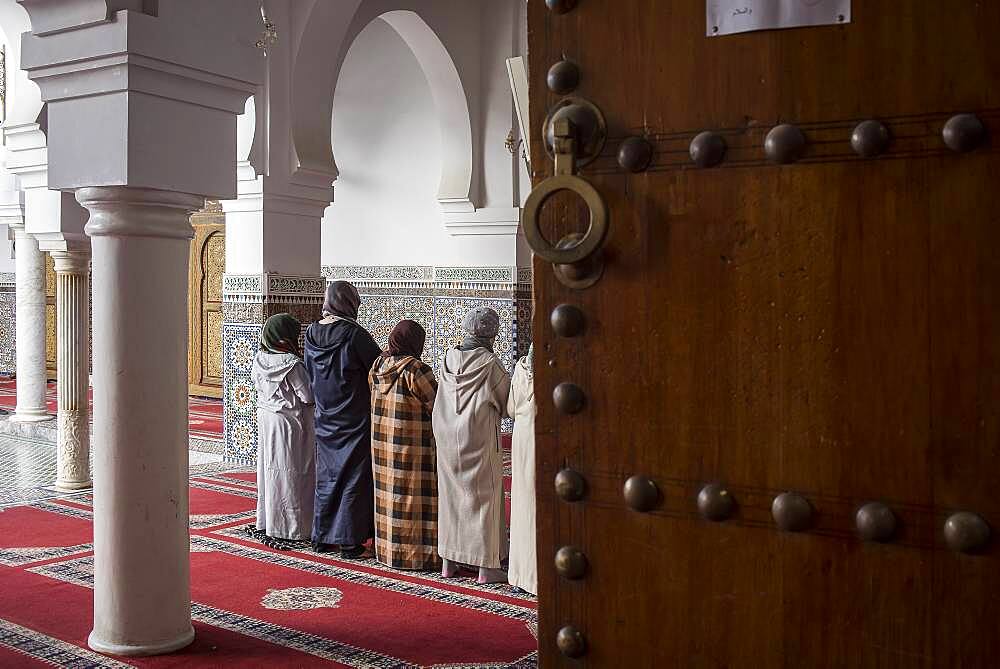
<point x="30" y="417"/>
<point x="74" y="485"/>
<point x="161" y="648"/>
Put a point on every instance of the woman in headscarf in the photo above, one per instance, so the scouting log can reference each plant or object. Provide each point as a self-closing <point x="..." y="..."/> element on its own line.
<point x="286" y="473"/>
<point x="471" y="400"/>
<point x="339" y="354"/>
<point x="521" y="407"/>
<point x="403" y="457"/>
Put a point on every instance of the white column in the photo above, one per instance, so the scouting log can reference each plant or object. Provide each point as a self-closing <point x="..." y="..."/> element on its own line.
<point x="30" y="330"/>
<point x="73" y="368"/>
<point x="140" y="244"/>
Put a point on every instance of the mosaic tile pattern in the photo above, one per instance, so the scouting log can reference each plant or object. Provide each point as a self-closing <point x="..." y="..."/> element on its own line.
<point x="449" y="313"/>
<point x="524" y="303"/>
<point x="8" y="358"/>
<point x="248" y="300"/>
<point x="239" y="408"/>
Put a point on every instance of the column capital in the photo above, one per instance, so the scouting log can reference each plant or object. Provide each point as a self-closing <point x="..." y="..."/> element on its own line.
<point x="71" y="262"/>
<point x="27" y="157"/>
<point x="119" y="211"/>
<point x="56" y="220"/>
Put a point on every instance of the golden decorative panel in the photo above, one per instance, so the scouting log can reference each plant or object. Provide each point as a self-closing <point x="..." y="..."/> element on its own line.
<point x="50" y="336"/>
<point x="213" y="257"/>
<point x="50" y="276"/>
<point x="50" y="316"/>
<point x="212" y="342"/>
<point x="207" y="263"/>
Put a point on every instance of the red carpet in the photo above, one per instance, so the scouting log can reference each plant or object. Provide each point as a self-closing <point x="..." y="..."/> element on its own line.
<point x="253" y="606"/>
<point x="204" y="415"/>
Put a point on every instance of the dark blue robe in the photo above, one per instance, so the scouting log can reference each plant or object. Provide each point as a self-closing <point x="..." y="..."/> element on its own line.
<point x="338" y="357"/>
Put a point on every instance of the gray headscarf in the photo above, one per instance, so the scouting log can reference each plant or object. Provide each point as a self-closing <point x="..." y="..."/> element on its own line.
<point x="481" y="326"/>
<point x="342" y="301"/>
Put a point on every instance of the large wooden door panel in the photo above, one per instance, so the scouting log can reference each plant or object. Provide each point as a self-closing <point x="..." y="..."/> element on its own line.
<point x="829" y="327"/>
<point x="207" y="266"/>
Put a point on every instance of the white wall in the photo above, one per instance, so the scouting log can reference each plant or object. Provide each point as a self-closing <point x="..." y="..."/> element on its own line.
<point x="386" y="139"/>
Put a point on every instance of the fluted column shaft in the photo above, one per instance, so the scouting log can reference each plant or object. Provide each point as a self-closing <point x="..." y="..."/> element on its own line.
<point x="140" y="243"/>
<point x="73" y="368"/>
<point x="30" y="329"/>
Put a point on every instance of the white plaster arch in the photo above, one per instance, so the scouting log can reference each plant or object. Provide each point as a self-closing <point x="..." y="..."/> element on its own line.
<point x="24" y="98"/>
<point x="318" y="47"/>
<point x="320" y="42"/>
<point x="452" y="106"/>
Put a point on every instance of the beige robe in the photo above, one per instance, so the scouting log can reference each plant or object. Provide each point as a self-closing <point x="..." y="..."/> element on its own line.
<point x="523" y="572"/>
<point x="471" y="400"/>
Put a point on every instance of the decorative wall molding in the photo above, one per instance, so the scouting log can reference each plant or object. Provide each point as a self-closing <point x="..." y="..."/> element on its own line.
<point x="475" y="274"/>
<point x="377" y="273"/>
<point x="273" y="284"/>
<point x="485" y="221"/>
<point x="243" y="284"/>
<point x="502" y="275"/>
<point x="250" y="298"/>
<point x="297" y="286"/>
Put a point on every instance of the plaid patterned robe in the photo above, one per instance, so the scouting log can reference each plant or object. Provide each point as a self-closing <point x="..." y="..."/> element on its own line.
<point x="404" y="463"/>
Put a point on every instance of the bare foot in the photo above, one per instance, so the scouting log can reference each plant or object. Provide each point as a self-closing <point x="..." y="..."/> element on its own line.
<point x="448" y="569"/>
<point x="491" y="576"/>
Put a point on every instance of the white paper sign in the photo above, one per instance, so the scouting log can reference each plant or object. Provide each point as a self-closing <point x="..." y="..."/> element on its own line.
<point x="725" y="17"/>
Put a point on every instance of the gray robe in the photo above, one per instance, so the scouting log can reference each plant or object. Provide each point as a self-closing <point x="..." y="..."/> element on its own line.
<point x="471" y="400"/>
<point x="286" y="451"/>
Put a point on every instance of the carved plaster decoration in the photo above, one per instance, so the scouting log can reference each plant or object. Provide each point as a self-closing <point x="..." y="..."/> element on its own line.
<point x="73" y="443"/>
<point x="72" y="270"/>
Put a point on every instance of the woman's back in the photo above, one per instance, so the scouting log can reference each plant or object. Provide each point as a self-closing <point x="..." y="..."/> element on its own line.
<point x="281" y="382"/>
<point x="338" y="356"/>
<point x="471" y="399"/>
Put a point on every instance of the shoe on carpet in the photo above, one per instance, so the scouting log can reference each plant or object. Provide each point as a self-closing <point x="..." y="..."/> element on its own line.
<point x="352" y="552"/>
<point x="323" y="548"/>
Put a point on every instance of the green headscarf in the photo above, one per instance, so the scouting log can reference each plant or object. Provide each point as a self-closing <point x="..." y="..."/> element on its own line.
<point x="281" y="334"/>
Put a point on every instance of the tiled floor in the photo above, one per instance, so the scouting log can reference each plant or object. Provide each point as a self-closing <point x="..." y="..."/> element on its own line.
<point x="28" y="468"/>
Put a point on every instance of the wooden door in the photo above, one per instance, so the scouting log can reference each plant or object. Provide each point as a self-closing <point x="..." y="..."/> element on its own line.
<point x="829" y="327"/>
<point x="207" y="266"/>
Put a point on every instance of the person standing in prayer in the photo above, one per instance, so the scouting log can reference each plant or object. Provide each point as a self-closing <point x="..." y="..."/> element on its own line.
<point x="521" y="407"/>
<point x="404" y="462"/>
<point x="286" y="467"/>
<point x="471" y="400"/>
<point x="339" y="355"/>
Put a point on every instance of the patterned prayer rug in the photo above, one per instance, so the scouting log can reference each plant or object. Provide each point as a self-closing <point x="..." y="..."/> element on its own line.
<point x="253" y="605"/>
